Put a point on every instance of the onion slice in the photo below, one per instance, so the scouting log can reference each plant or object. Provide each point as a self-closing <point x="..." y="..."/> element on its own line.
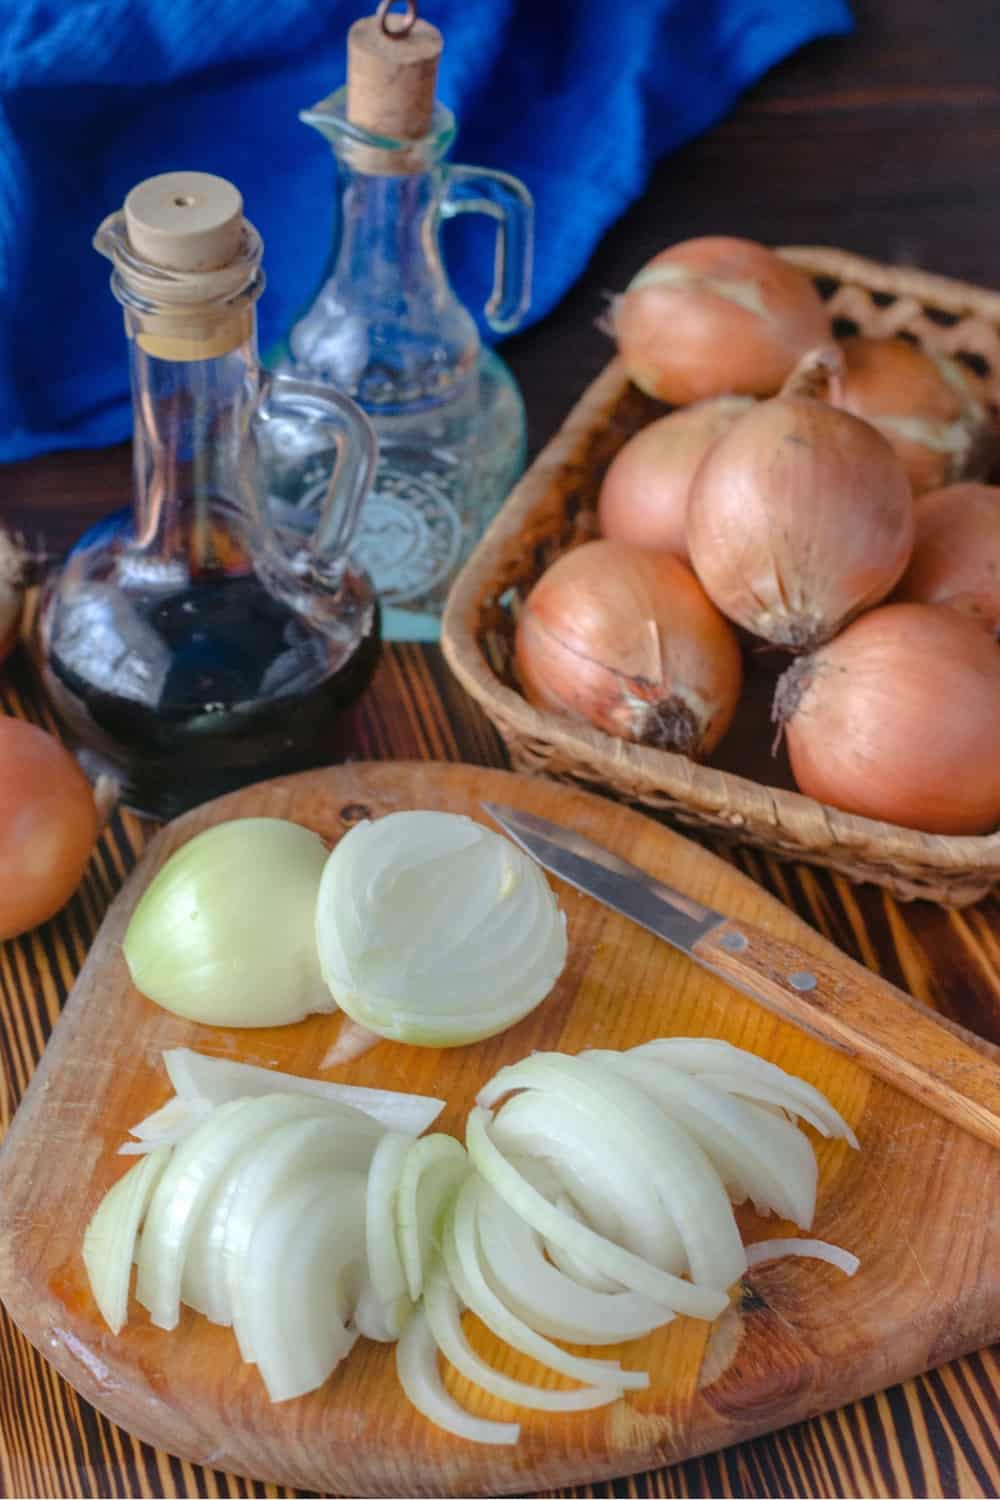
<point x="637" y="1129"/>
<point x="442" y="1309"/>
<point x="433" y="1170"/>
<point x="109" y="1239"/>
<point x="203" y="1080"/>
<point x="300" y="1281"/>
<point x="461" y="1255"/>
<point x="630" y="1270"/>
<point x="385" y="1264"/>
<point x="417" y="1368"/>
<point x="765" y="1250"/>
<point x="535" y="1290"/>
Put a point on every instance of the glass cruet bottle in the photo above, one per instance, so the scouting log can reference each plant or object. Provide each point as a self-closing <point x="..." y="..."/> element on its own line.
<point x="215" y="633"/>
<point x="388" y="329"/>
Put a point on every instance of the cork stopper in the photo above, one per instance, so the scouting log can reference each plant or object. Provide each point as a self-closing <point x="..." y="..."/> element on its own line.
<point x="185" y="221"/>
<point x="392" y="63"/>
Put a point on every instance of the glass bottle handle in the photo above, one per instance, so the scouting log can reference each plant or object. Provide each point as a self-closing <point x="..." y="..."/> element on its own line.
<point x="336" y="422"/>
<point x="479" y="190"/>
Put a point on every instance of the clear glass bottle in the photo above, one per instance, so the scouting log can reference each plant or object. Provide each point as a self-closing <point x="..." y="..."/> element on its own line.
<point x="388" y="329"/>
<point x="215" y="633"/>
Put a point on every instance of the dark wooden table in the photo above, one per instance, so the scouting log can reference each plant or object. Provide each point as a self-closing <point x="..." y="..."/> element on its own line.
<point x="886" y="143"/>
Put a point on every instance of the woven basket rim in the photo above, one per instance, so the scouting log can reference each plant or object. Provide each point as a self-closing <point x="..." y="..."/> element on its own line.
<point x="814" y="826"/>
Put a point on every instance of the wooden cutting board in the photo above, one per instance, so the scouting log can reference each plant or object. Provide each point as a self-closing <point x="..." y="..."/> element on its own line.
<point x="919" y="1203"/>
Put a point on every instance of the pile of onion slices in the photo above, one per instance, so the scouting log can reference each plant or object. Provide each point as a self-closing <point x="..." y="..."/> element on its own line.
<point x="591" y="1203"/>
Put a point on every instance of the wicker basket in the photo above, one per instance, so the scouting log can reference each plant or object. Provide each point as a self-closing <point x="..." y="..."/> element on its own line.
<point x="744" y="792"/>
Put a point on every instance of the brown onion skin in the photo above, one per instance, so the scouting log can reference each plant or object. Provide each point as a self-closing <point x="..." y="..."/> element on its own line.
<point x="799" y="518"/>
<point x="49" y="824"/>
<point x="644" y="496"/>
<point x="626" y="640"/>
<point x="684" y="341"/>
<point x="898" y="719"/>
<point x="956" y="553"/>
<point x="892" y="383"/>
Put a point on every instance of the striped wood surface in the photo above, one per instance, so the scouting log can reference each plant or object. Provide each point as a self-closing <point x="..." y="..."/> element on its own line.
<point x="937" y="1435"/>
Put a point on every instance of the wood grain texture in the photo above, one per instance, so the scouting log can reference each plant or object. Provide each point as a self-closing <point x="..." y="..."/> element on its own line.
<point x="797" y="1340"/>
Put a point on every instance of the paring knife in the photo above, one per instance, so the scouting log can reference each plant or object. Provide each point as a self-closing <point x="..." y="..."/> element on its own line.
<point x="839" y="1001"/>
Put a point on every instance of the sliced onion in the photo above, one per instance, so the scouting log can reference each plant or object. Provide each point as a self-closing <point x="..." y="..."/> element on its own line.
<point x="301" y="1279"/>
<point x="433" y="1170"/>
<point x="204" y="1080"/>
<point x="444" y="1320"/>
<point x="630" y="1270"/>
<point x="637" y="1129"/>
<point x="461" y="1255"/>
<point x="434" y="930"/>
<point x="370" y="1316"/>
<point x="715" y="1058"/>
<point x="190" y="1178"/>
<point x="109" y="1239"/>
<point x="611" y="1190"/>
<point x="385" y="1264"/>
<point x="166" y="1126"/>
<point x="542" y="1296"/>
<point x="300" y="1148"/>
<point x="765" y="1250"/>
<point x="352" y="1041"/>
<point x="417" y="1368"/>
<point x="766" y="1159"/>
<point x="569" y="1263"/>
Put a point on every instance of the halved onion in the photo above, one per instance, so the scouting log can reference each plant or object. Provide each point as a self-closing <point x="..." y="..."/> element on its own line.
<point x="434" y="930"/>
<point x="109" y="1240"/>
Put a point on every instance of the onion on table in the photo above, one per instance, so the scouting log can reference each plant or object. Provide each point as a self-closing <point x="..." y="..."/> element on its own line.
<point x="898" y="719"/>
<point x="801" y="515"/>
<point x="926" y="405"/>
<point x="49" y="822"/>
<point x="716" y="316"/>
<point x="644" y="494"/>
<point x="627" y="640"/>
<point x="956" y="552"/>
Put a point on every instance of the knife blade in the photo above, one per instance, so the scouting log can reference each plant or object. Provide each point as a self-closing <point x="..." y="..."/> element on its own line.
<point x="837" y="1000"/>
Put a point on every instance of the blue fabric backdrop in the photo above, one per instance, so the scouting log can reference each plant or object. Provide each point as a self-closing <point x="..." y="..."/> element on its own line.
<point x="577" y="97"/>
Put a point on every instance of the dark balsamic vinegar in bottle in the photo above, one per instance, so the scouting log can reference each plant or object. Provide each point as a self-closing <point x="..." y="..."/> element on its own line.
<point x="218" y="632"/>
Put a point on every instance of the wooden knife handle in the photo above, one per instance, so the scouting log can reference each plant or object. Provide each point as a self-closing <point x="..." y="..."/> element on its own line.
<point x="844" y="1004"/>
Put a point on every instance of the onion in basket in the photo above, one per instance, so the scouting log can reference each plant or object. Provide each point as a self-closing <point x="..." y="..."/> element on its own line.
<point x="714" y="316"/>
<point x="926" y="406"/>
<point x="801" y="515"/>
<point x="627" y="640"/>
<point x="956" y="553"/>
<point x="899" y="719"/>
<point x="644" y="496"/>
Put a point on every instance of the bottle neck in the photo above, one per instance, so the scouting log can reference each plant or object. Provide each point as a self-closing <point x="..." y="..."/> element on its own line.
<point x="388" y="240"/>
<point x="190" y="448"/>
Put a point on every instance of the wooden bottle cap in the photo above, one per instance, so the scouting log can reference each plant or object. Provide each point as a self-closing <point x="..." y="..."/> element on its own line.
<point x="392" y="63"/>
<point x="185" y="221"/>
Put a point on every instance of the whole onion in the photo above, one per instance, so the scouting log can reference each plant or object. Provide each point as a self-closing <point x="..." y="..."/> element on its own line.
<point x="627" y="640"/>
<point x="925" y="405"/>
<point x="956" y="552"/>
<point x="800" y="516"/>
<point x="899" y="719"/>
<point x="644" y="496"/>
<point x="49" y="822"/>
<point x="714" y="316"/>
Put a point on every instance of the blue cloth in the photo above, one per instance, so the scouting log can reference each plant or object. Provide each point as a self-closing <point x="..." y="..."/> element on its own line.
<point x="577" y="97"/>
